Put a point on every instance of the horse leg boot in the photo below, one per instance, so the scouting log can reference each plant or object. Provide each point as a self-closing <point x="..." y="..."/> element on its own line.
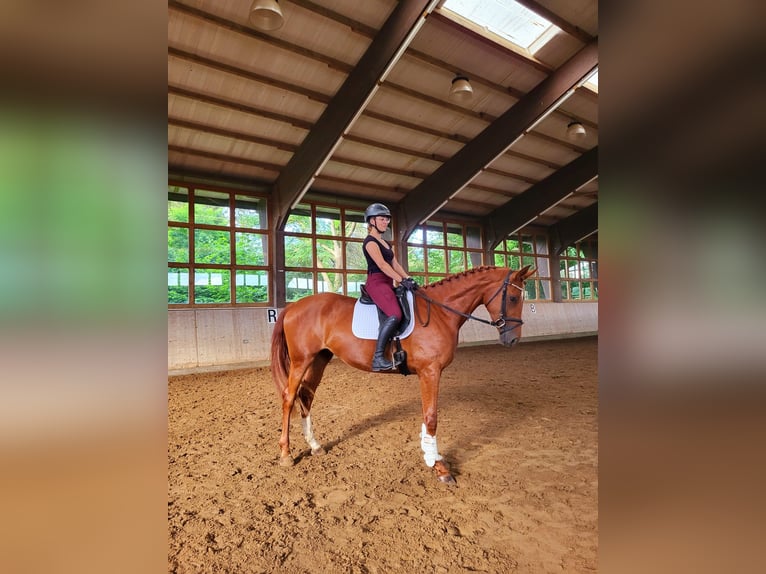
<point x="386" y="329"/>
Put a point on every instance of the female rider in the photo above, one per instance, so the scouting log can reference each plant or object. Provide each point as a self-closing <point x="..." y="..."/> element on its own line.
<point x="383" y="270"/>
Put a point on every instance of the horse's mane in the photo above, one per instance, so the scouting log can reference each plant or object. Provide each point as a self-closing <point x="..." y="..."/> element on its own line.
<point x="461" y="275"/>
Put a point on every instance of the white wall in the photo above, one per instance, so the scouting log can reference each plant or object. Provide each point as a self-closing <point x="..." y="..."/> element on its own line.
<point x="212" y="339"/>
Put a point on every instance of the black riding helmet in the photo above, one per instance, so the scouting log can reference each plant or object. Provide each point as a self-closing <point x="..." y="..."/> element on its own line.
<point x="374" y="210"/>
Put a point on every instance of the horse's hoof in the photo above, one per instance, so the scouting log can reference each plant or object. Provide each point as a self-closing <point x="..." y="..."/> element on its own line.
<point x="447" y="479"/>
<point x="286" y="461"/>
<point x="318" y="451"/>
<point x="443" y="473"/>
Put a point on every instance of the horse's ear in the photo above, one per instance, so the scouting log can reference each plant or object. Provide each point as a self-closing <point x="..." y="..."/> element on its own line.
<point x="525" y="272"/>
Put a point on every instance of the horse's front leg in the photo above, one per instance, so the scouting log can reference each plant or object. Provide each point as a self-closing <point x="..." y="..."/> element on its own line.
<point x="429" y="393"/>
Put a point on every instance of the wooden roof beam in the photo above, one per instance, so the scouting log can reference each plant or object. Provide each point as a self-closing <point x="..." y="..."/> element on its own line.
<point x="452" y="176"/>
<point x="347" y="105"/>
<point x="574" y="228"/>
<point x="542" y="196"/>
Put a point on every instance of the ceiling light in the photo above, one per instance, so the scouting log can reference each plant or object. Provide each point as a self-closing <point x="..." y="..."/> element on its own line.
<point x="575" y="130"/>
<point x="461" y="89"/>
<point x="266" y="15"/>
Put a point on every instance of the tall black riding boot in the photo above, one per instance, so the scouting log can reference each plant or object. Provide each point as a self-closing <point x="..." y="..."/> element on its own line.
<point x="385" y="331"/>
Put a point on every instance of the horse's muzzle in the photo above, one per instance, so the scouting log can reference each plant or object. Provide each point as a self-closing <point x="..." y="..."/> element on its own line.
<point x="510" y="332"/>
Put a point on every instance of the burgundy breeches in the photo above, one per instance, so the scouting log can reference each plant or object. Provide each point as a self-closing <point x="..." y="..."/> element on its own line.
<point x="380" y="288"/>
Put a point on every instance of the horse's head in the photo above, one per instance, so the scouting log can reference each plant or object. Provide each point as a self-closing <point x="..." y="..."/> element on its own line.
<point x="506" y="303"/>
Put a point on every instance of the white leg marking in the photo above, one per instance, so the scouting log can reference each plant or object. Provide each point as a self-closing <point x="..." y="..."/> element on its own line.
<point x="428" y="444"/>
<point x="308" y="434"/>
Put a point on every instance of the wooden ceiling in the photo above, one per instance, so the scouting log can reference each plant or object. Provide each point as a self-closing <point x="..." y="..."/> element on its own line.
<point x="351" y="99"/>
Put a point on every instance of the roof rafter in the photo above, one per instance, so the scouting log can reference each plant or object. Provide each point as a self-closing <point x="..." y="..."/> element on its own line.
<point x="543" y="195"/>
<point x="574" y="228"/>
<point x="347" y="104"/>
<point x="496" y="138"/>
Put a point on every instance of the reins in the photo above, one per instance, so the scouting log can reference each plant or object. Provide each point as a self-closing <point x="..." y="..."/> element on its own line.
<point x="499" y="323"/>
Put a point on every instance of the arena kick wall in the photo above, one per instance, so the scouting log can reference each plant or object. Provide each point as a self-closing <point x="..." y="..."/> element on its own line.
<point x="219" y="339"/>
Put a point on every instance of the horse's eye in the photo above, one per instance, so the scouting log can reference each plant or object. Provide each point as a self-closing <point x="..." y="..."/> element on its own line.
<point x="513" y="299"/>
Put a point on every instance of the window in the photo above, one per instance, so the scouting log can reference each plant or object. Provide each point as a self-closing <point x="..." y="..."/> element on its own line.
<point x="592" y="82"/>
<point x="323" y="251"/>
<point x="521" y="249"/>
<point x="503" y="21"/>
<point x="218" y="247"/>
<point x="441" y="248"/>
<point x="578" y="268"/>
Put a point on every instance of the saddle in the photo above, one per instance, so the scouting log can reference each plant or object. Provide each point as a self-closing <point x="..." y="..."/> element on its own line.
<point x="401" y="297"/>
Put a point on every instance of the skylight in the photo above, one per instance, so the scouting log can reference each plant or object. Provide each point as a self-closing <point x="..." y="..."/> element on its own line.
<point x="507" y="19"/>
<point x="592" y="82"/>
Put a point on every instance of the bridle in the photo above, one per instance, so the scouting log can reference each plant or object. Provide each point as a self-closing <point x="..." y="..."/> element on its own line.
<point x="502" y="323"/>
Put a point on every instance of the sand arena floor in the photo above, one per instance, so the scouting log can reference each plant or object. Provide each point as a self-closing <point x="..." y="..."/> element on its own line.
<point x="518" y="427"/>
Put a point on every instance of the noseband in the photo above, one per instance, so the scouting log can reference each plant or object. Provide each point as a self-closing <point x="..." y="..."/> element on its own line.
<point x="501" y="323"/>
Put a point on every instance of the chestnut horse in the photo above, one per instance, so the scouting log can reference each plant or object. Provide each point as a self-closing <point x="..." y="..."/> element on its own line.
<point x="310" y="331"/>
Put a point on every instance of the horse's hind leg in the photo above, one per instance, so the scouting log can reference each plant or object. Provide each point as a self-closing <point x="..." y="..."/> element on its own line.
<point x="297" y="370"/>
<point x="311" y="380"/>
<point x="302" y="382"/>
<point x="308" y="434"/>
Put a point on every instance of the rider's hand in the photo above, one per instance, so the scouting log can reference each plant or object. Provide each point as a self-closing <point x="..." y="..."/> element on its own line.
<point x="409" y="284"/>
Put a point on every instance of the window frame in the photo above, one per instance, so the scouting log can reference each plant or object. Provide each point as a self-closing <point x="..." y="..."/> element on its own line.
<point x="576" y="254"/>
<point x="473" y="256"/>
<point x="191" y="225"/>
<point x="317" y="272"/>
<point x="516" y="258"/>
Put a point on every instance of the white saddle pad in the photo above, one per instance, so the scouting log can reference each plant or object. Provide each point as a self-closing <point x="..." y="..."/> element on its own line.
<point x="365" y="322"/>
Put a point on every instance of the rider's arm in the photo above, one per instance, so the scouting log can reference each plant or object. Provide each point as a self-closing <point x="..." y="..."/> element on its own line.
<point x="399" y="269"/>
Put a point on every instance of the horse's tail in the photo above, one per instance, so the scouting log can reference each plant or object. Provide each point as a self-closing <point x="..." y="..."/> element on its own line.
<point x="280" y="355"/>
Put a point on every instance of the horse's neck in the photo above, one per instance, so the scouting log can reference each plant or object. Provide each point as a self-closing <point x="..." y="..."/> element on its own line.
<point x="463" y="294"/>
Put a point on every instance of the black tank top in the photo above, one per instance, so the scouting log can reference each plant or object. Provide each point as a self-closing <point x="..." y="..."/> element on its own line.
<point x="387" y="252"/>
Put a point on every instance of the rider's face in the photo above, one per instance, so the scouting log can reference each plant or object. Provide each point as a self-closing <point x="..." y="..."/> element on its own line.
<point x="383" y="220"/>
